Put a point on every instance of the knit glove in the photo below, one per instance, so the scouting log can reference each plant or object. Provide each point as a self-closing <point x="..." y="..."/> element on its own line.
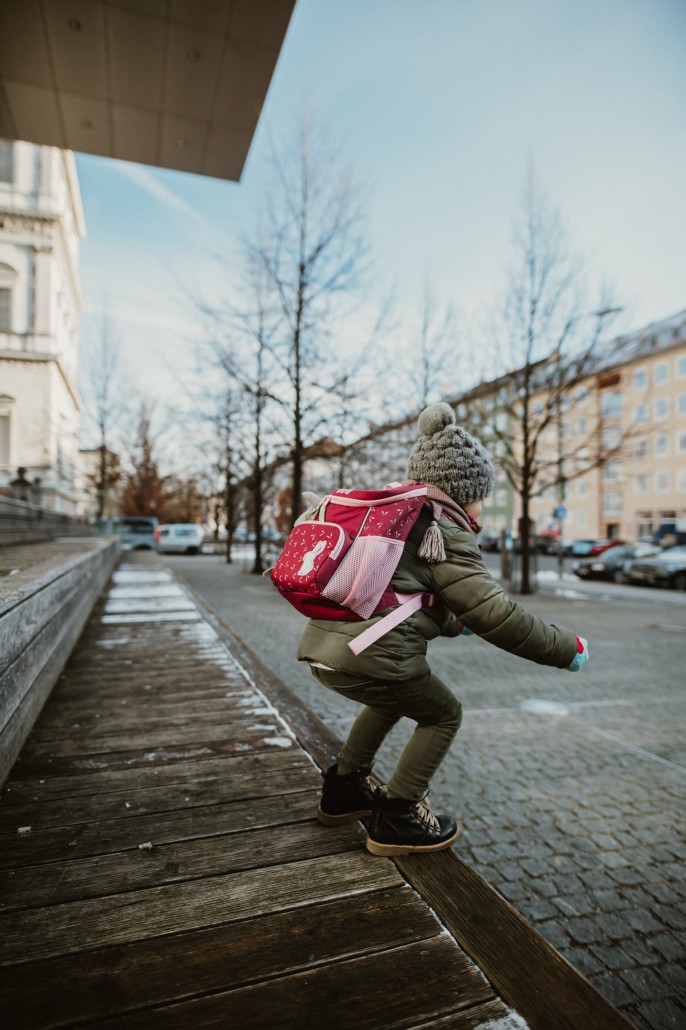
<point x="581" y="657"/>
<point x="466" y="632"/>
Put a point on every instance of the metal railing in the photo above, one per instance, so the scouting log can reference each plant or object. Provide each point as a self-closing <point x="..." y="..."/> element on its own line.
<point x="24" y="523"/>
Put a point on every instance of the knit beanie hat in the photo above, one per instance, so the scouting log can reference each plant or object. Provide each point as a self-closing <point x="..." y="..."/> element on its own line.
<point x="446" y="456"/>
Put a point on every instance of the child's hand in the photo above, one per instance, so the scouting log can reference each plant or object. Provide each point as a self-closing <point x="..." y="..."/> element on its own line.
<point x="581" y="656"/>
<point x="466" y="632"/>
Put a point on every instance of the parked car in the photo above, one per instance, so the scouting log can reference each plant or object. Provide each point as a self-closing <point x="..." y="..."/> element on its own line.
<point x="542" y="543"/>
<point x="666" y="569"/>
<point x="179" y="538"/>
<point x="610" y="564"/>
<point x="137" y="532"/>
<point x="588" y="548"/>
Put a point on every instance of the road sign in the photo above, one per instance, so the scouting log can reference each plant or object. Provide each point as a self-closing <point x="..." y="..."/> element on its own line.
<point x="560" y="512"/>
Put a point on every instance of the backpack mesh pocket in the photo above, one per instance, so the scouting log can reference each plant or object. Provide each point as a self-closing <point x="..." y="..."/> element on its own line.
<point x="364" y="573"/>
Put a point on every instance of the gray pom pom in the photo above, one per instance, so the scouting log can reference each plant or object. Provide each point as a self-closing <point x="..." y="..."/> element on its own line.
<point x="435" y="418"/>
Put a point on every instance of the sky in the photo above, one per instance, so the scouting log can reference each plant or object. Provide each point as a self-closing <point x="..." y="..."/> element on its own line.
<point x="441" y="107"/>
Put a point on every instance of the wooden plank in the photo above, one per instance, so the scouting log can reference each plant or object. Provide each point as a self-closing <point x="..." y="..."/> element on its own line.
<point x="143" y="973"/>
<point x="163" y="724"/>
<point x="43" y="765"/>
<point x="59" y="929"/>
<point x="101" y="782"/>
<point x="402" y="987"/>
<point x="497" y="937"/>
<point x="191" y="859"/>
<point x="100" y="838"/>
<point x="238" y="777"/>
<point x="90" y="712"/>
<point x="491" y="1015"/>
<point x="158" y="737"/>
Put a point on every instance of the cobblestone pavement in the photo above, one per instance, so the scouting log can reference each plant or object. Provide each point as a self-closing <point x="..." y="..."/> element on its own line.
<point x="569" y="788"/>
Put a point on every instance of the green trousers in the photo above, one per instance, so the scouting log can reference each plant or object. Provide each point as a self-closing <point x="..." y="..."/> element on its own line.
<point x="426" y="700"/>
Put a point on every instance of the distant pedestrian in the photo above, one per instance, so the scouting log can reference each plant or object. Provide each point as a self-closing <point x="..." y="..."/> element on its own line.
<point x="391" y="679"/>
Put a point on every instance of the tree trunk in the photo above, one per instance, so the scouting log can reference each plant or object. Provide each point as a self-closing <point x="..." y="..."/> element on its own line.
<point x="102" y="483"/>
<point x="258" y="566"/>
<point x="296" y="504"/>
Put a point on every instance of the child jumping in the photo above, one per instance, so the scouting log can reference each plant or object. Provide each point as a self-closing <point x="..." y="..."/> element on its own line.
<point x="391" y="678"/>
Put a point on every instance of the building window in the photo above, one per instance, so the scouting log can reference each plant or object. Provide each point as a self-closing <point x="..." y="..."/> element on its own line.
<point x="661" y="408"/>
<point x="6" y="161"/>
<point x="661" y="373"/>
<point x="582" y="395"/>
<point x="612" y="502"/>
<point x="681" y="443"/>
<point x="582" y="426"/>
<point x="641" y="447"/>
<point x="5" y="309"/>
<point x="611" y="404"/>
<point x="582" y="489"/>
<point x="611" y="438"/>
<point x="641" y="413"/>
<point x="611" y="472"/>
<point x="682" y="403"/>
<point x="661" y="445"/>
<point x="681" y="481"/>
<point x="583" y="520"/>
<point x="501" y="497"/>
<point x="681" y="367"/>
<point x="641" y="484"/>
<point x="640" y="379"/>
<point x="662" y="482"/>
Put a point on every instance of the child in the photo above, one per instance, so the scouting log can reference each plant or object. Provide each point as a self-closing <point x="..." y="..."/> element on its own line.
<point x="392" y="679"/>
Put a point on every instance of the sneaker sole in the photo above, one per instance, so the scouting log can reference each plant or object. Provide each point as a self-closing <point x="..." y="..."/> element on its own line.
<point x="395" y="850"/>
<point x="347" y="817"/>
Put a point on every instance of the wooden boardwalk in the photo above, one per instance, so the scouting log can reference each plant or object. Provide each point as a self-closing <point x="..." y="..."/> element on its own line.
<point x="161" y="864"/>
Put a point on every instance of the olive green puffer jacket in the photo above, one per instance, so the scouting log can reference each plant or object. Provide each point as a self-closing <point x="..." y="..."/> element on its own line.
<point x="466" y="595"/>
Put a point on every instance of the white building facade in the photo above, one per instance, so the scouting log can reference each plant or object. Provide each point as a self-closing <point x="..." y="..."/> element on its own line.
<point x="41" y="224"/>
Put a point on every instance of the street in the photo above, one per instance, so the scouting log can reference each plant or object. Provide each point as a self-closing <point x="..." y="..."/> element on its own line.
<point x="569" y="788"/>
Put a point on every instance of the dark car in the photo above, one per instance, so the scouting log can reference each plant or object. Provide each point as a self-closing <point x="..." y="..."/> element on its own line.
<point x="667" y="569"/>
<point x="610" y="564"/>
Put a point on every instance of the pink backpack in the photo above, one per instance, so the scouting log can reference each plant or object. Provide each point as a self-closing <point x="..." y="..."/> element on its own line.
<point x="338" y="564"/>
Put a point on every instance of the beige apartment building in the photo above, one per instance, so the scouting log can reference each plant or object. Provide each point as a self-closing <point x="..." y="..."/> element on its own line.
<point x="615" y="461"/>
<point x="629" y="420"/>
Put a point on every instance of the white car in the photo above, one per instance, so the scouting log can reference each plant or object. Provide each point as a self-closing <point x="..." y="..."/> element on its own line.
<point x="179" y="538"/>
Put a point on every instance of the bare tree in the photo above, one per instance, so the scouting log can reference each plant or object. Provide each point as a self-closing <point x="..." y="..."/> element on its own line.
<point x="106" y="408"/>
<point x="229" y="462"/>
<point x="310" y="245"/>
<point x="144" y="493"/>
<point x="241" y="348"/>
<point x="550" y="339"/>
<point x="432" y="361"/>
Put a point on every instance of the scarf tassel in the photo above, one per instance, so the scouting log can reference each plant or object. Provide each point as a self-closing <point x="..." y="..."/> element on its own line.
<point x="431" y="548"/>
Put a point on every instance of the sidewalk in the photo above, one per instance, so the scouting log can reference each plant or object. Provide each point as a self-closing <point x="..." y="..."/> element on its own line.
<point x="161" y="864"/>
<point x="570" y="789"/>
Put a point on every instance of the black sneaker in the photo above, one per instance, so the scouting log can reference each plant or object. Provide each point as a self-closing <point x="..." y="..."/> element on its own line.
<point x="400" y="827"/>
<point x="345" y="798"/>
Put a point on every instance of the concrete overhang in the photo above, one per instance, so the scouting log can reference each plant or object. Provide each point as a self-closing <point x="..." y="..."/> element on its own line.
<point x="174" y="83"/>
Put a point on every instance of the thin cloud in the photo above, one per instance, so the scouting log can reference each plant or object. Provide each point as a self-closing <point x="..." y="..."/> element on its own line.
<point x="145" y="178"/>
